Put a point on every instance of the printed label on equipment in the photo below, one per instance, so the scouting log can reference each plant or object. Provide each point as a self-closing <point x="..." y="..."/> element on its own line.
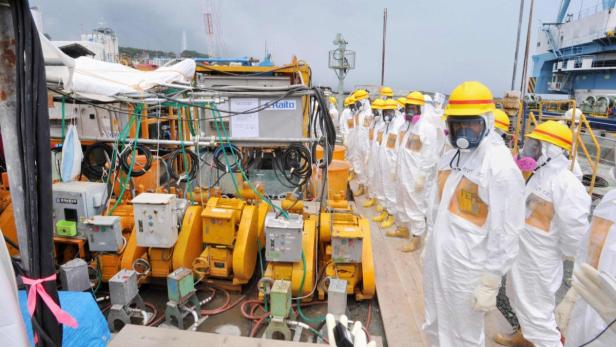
<point x="66" y="201"/>
<point x="282" y="105"/>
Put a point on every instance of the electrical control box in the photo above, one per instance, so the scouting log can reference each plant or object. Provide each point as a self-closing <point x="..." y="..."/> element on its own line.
<point x="280" y="298"/>
<point x="180" y="285"/>
<point x="74" y="276"/>
<point x="337" y="297"/>
<point x="123" y="287"/>
<point x="347" y="243"/>
<point x="156" y="219"/>
<point x="73" y="203"/>
<point x="89" y="120"/>
<point x="103" y="233"/>
<point x="283" y="238"/>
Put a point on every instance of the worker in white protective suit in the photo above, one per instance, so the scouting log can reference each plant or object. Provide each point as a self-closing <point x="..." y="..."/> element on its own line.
<point x="501" y="124"/>
<point x="416" y="168"/>
<point x="557" y="209"/>
<point x="387" y="139"/>
<point x="386" y="93"/>
<point x="333" y="112"/>
<point x="361" y="147"/>
<point x="372" y="159"/>
<point x="579" y="322"/>
<point x="480" y="214"/>
<point x="598" y="289"/>
<point x="346" y="119"/>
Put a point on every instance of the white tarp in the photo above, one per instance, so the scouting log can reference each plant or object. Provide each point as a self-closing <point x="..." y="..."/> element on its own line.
<point x="85" y="75"/>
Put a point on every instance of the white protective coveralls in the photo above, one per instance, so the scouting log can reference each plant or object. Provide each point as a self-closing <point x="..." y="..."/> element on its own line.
<point x="557" y="209"/>
<point x="386" y="191"/>
<point x="480" y="215"/>
<point x="333" y="113"/>
<point x="598" y="249"/>
<point x="372" y="165"/>
<point x="343" y="125"/>
<point x="360" y="145"/>
<point x="418" y="156"/>
<point x="12" y="327"/>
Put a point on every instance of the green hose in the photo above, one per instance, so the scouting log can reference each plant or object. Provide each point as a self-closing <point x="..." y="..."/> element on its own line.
<point x="319" y="319"/>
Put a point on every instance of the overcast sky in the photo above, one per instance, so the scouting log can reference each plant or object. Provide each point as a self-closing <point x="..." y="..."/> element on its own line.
<point x="431" y="44"/>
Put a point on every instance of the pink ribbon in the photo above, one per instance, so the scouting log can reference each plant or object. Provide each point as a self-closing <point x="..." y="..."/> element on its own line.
<point x="37" y="288"/>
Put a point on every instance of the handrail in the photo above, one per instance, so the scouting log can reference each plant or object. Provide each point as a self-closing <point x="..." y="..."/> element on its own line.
<point x="577" y="139"/>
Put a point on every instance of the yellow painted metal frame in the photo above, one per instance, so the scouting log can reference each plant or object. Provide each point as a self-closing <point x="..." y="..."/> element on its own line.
<point x="577" y="140"/>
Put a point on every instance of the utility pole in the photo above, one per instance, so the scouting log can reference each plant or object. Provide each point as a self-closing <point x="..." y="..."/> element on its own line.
<point x="527" y="51"/>
<point x="383" y="54"/>
<point x="517" y="45"/>
<point x="341" y="60"/>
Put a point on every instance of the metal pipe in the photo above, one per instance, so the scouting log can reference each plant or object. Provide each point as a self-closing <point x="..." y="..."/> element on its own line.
<point x="10" y="130"/>
<point x="212" y="141"/>
<point x="527" y="51"/>
<point x="517" y="45"/>
<point x="383" y="53"/>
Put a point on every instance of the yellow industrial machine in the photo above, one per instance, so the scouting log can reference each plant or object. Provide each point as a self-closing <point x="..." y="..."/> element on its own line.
<point x="346" y="253"/>
<point x="290" y="253"/>
<point x="162" y="225"/>
<point x="229" y="231"/>
<point x="251" y="197"/>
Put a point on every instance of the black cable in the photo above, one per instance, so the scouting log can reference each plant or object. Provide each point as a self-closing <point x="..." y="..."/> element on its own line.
<point x="29" y="126"/>
<point x="294" y="164"/>
<point x="599" y="335"/>
<point x="192" y="162"/>
<point x="221" y="164"/>
<point x="127" y="156"/>
<point x="95" y="159"/>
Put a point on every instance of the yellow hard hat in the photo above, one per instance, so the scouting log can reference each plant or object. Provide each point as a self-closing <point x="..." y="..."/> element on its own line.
<point x="470" y="98"/>
<point x="360" y="94"/>
<point x="386" y="91"/>
<point x="501" y="120"/>
<point x="349" y="100"/>
<point x="390" y="104"/>
<point x="378" y="104"/>
<point x="332" y="100"/>
<point x="415" y="98"/>
<point x="553" y="132"/>
<point x="401" y="101"/>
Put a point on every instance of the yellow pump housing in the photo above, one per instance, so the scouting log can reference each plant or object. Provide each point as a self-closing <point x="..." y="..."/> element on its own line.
<point x="229" y="236"/>
<point x="295" y="272"/>
<point x="346" y="249"/>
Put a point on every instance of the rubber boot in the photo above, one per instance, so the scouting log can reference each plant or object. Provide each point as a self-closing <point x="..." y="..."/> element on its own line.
<point x="380" y="217"/>
<point x="380" y="208"/>
<point x="388" y="222"/>
<point x="369" y="202"/>
<point x="402" y="232"/>
<point x="513" y="340"/>
<point x="360" y="190"/>
<point x="413" y="245"/>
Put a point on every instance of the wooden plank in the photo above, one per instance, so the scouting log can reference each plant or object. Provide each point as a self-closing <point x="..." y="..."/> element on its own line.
<point x="396" y="291"/>
<point x="140" y="336"/>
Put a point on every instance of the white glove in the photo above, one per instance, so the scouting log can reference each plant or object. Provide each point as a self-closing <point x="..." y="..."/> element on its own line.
<point x="598" y="289"/>
<point x="484" y="299"/>
<point x="563" y="311"/>
<point x="420" y="183"/>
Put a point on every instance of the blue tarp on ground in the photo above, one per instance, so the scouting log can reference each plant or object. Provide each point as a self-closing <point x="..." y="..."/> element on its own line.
<point x="92" y="330"/>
